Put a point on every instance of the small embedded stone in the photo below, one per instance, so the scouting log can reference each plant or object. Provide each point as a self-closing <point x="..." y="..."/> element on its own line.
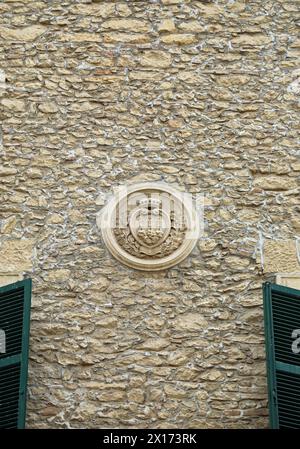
<point x="129" y="38"/>
<point x="192" y="26"/>
<point x="7" y="171"/>
<point x="166" y="25"/>
<point x="251" y="40"/>
<point x="190" y="322"/>
<point x="154" y="344"/>
<point x="179" y="39"/>
<point x="59" y="275"/>
<point x="275" y="183"/>
<point x="48" y="108"/>
<point x="155" y="58"/>
<point x="25" y="34"/>
<point x="138" y="26"/>
<point x="13" y="105"/>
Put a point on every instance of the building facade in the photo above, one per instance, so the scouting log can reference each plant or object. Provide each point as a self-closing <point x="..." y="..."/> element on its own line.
<point x="201" y="95"/>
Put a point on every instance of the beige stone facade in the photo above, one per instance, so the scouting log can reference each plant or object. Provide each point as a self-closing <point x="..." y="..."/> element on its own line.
<point x="201" y="95"/>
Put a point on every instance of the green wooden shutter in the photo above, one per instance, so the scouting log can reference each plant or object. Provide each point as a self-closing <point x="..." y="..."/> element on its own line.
<point x="282" y="332"/>
<point x="15" y="302"/>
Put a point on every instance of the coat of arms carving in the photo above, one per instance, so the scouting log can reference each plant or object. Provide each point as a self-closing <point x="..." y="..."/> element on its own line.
<point x="149" y="226"/>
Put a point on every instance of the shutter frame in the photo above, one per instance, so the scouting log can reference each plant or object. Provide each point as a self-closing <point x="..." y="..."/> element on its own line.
<point x="22" y="357"/>
<point x="283" y="371"/>
<point x="270" y="356"/>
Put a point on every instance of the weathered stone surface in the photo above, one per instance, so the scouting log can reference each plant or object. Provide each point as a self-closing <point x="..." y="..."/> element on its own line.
<point x="211" y="375"/>
<point x="13" y="104"/>
<point x="58" y="275"/>
<point x="152" y="58"/>
<point x="179" y="39"/>
<point x="94" y="9"/>
<point x="291" y="280"/>
<point x="25" y="34"/>
<point x="48" y="108"/>
<point x="234" y="80"/>
<point x="136" y="395"/>
<point x="275" y="183"/>
<point x="111" y="396"/>
<point x="189" y="322"/>
<point x="7" y="171"/>
<point x="154" y="344"/>
<point x="9" y="278"/>
<point x="7" y="225"/>
<point x="139" y="26"/>
<point x="279" y="256"/>
<point x="79" y="37"/>
<point x="16" y="256"/>
<point x="107" y="322"/>
<point x="190" y="77"/>
<point x="210" y="10"/>
<point x="237" y="263"/>
<point x="129" y="38"/>
<point x="251" y="40"/>
<point x="166" y="25"/>
<point x="200" y="94"/>
<point x="100" y="283"/>
<point x="192" y="26"/>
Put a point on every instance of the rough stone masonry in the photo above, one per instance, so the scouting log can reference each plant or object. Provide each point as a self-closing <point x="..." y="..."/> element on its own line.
<point x="203" y="95"/>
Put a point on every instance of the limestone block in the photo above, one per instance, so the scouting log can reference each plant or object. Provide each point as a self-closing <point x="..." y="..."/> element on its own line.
<point x="8" y="224"/>
<point x="136" y="395"/>
<point x="48" y="107"/>
<point x="138" y="26"/>
<point x="79" y="37"/>
<point x="57" y="275"/>
<point x="291" y="280"/>
<point x="25" y="34"/>
<point x="209" y="9"/>
<point x="9" y="278"/>
<point x="129" y="38"/>
<point x="251" y="40"/>
<point x="190" y="322"/>
<point x="16" y="255"/>
<point x="13" y="104"/>
<point x="154" y="344"/>
<point x="192" y="26"/>
<point x="173" y="2"/>
<point x="106" y="9"/>
<point x="275" y="183"/>
<point x="279" y="256"/>
<point x="179" y="39"/>
<point x="155" y="58"/>
<point x="166" y="25"/>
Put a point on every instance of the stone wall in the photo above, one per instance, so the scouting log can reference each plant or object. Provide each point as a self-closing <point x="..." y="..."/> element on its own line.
<point x="203" y="95"/>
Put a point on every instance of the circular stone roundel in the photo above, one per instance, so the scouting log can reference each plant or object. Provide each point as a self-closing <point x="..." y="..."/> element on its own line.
<point x="149" y="226"/>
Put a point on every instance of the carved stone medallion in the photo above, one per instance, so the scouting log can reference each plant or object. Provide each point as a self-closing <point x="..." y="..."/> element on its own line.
<point x="149" y="226"/>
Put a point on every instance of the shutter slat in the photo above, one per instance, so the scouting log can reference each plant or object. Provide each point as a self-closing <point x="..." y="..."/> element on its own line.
<point x="9" y="308"/>
<point x="289" y="401"/>
<point x="283" y="303"/>
<point x="9" y="395"/>
<point x="7" y="315"/>
<point x="288" y="404"/>
<point x="288" y="418"/>
<point x="13" y="294"/>
<point x="285" y="296"/>
<point x="283" y="309"/>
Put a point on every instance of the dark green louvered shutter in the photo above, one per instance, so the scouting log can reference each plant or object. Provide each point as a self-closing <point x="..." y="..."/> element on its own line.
<point x="15" y="302"/>
<point x="282" y="331"/>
